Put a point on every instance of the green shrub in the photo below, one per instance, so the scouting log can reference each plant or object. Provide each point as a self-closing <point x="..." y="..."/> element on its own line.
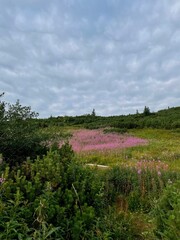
<point x="117" y="226"/>
<point x="115" y="130"/>
<point x="57" y="198"/>
<point x="18" y="134"/>
<point x="167" y="213"/>
<point x="139" y="188"/>
<point x="53" y="194"/>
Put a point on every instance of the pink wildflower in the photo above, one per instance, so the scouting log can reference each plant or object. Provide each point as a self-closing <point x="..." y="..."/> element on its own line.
<point x="2" y="180"/>
<point x="88" y="140"/>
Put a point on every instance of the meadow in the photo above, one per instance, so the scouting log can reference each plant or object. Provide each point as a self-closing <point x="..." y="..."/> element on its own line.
<point x="141" y="165"/>
<point x="95" y="146"/>
<point x="53" y="185"/>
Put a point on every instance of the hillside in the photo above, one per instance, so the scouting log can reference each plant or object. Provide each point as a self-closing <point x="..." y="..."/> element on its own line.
<point x="163" y="119"/>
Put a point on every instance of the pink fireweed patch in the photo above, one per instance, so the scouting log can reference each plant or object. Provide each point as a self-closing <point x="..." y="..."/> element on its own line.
<point x="88" y="140"/>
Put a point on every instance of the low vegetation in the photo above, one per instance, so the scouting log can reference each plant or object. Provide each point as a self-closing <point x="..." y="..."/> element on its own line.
<point x="50" y="189"/>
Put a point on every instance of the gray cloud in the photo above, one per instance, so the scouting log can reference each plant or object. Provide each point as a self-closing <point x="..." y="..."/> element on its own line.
<point x="68" y="57"/>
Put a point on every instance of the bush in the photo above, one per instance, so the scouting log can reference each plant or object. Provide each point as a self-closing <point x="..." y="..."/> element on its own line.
<point x="167" y="213"/>
<point x="116" y="226"/>
<point x="18" y="134"/>
<point x="115" y="130"/>
<point x="136" y="188"/>
<point x="57" y="198"/>
<point x="53" y="194"/>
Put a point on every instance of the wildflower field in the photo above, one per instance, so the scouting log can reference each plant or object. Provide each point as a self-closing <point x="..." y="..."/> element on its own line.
<point x="96" y="140"/>
<point x="99" y="184"/>
<point x="143" y="168"/>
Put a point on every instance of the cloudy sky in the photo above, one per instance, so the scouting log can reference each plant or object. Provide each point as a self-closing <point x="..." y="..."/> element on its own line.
<point x="66" y="57"/>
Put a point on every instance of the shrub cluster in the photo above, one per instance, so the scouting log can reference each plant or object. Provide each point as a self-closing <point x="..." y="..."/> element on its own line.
<point x="163" y="119"/>
<point x="167" y="213"/>
<point x="137" y="188"/>
<point x="57" y="198"/>
<point x="18" y="133"/>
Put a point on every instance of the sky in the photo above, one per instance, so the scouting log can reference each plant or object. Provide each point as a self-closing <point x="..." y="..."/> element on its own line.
<point x="68" y="57"/>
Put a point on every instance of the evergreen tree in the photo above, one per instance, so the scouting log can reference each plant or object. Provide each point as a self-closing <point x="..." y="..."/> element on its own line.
<point x="93" y="113"/>
<point x="146" y="111"/>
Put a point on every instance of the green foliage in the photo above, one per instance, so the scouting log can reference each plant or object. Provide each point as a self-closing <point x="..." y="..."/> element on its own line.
<point x="146" y="111"/>
<point x="115" y="130"/>
<point x="93" y="113"/>
<point x="57" y="198"/>
<point x="163" y="119"/>
<point x="116" y="225"/>
<point x="50" y="198"/>
<point x="136" y="190"/>
<point x="18" y="134"/>
<point x="167" y="213"/>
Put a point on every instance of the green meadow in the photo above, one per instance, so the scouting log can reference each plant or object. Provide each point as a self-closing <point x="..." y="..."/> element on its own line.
<point x="53" y="188"/>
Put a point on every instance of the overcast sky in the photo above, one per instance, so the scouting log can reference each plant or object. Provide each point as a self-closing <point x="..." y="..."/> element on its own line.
<point x="66" y="57"/>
